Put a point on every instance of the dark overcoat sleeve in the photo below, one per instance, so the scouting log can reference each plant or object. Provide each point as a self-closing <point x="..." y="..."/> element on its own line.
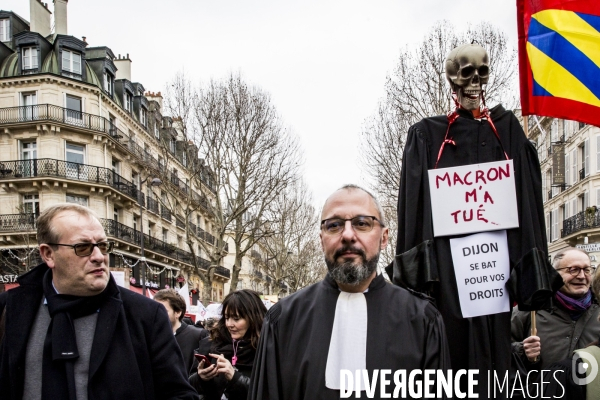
<point x="437" y="352"/>
<point x="168" y="371"/>
<point x="265" y="381"/>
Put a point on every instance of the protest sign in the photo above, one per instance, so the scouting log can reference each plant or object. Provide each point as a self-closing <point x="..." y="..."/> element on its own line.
<point x="473" y="198"/>
<point x="482" y="267"/>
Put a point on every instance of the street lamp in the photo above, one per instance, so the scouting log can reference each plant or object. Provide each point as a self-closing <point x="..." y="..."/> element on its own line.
<point x="153" y="182"/>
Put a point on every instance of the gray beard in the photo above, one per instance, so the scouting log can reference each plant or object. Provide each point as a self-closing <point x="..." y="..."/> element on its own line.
<point x="348" y="273"/>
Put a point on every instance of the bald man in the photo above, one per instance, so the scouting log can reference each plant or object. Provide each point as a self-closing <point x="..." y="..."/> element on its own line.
<point x="351" y="321"/>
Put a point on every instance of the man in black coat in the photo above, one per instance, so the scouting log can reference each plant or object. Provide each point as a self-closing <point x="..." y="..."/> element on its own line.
<point x="188" y="337"/>
<point x="70" y="332"/>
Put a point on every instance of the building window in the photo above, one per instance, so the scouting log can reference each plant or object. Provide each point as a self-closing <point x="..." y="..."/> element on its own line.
<point x="75" y="157"/>
<point x="31" y="204"/>
<point x="156" y="129"/>
<point x="165" y="235"/>
<point x="28" y="102"/>
<point x="127" y="102"/>
<point x="74" y="108"/>
<point x="71" y="63"/>
<point x="172" y="145"/>
<point x="115" y="214"/>
<point x="184" y="158"/>
<point x="81" y="200"/>
<point x="108" y="83"/>
<point x="4" y="30"/>
<point x="144" y="117"/>
<point x="30" y="60"/>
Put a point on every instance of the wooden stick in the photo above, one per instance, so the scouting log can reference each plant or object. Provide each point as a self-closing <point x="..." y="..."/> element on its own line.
<point x="533" y="329"/>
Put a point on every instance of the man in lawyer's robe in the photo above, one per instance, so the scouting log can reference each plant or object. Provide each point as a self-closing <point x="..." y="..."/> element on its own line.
<point x="352" y="320"/>
<point x="424" y="263"/>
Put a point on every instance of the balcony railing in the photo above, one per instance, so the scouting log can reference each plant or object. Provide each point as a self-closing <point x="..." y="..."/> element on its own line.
<point x="581" y="221"/>
<point x="255" y="254"/>
<point x="152" y="205"/>
<point x="18" y="222"/>
<point x="50" y="112"/>
<point x="47" y="167"/>
<point x="223" y="272"/>
<point x="165" y="213"/>
<point x="123" y="232"/>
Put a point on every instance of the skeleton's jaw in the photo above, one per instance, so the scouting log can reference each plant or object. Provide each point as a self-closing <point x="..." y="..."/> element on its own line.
<point x="469" y="99"/>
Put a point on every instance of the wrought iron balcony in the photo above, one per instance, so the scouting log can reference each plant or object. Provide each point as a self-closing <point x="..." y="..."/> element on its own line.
<point x="48" y="167"/>
<point x="207" y="237"/>
<point x="152" y="205"/>
<point x="52" y="113"/>
<point x="117" y="230"/>
<point x="255" y="254"/>
<point x="165" y="213"/>
<point x="580" y="221"/>
<point x="18" y="223"/>
<point x="223" y="272"/>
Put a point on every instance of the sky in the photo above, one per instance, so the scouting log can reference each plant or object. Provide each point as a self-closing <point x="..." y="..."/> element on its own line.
<point x="324" y="62"/>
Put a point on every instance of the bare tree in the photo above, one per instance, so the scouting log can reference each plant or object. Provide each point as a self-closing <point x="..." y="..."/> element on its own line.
<point x="290" y="249"/>
<point x="247" y="153"/>
<point x="417" y="88"/>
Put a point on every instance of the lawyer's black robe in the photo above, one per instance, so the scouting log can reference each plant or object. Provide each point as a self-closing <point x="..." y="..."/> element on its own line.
<point x="404" y="331"/>
<point x="483" y="342"/>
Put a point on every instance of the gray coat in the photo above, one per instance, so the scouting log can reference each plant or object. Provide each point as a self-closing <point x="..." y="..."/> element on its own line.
<point x="559" y="335"/>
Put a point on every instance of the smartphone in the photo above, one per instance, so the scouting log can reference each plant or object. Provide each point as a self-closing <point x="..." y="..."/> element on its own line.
<point x="206" y="359"/>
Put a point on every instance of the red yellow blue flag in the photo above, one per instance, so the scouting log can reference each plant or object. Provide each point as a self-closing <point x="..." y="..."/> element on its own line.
<point x="559" y="58"/>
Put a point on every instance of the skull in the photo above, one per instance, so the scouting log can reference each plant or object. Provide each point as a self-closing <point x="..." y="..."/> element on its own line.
<point x="467" y="70"/>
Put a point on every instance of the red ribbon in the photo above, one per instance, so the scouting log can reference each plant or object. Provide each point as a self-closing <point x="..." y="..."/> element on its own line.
<point x="453" y="116"/>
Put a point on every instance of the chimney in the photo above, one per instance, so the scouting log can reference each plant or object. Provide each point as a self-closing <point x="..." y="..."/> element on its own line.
<point x="60" y="17"/>
<point x="40" y="18"/>
<point x="123" y="67"/>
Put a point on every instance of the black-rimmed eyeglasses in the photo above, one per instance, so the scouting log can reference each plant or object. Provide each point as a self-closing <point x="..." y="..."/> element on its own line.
<point x="360" y="223"/>
<point x="85" y="249"/>
<point x="575" y="270"/>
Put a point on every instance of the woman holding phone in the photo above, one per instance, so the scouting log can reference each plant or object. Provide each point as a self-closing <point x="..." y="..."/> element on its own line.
<point x="233" y="346"/>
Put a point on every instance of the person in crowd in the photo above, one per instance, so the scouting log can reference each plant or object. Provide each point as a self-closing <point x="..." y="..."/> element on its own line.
<point x="572" y="321"/>
<point x="234" y="342"/>
<point x="72" y="333"/>
<point x="187" y="336"/>
<point x="352" y="320"/>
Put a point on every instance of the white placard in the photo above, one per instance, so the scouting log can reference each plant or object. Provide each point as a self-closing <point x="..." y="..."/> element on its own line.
<point x="473" y="198"/>
<point x="119" y="277"/>
<point x="482" y="267"/>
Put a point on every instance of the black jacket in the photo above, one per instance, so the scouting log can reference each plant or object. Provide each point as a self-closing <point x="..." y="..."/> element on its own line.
<point x="134" y="354"/>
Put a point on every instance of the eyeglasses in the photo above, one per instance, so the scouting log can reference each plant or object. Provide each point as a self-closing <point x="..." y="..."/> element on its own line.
<point x="85" y="249"/>
<point x="360" y="223"/>
<point x="575" y="270"/>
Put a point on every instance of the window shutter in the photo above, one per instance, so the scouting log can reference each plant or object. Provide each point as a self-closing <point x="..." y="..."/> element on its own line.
<point x="568" y="168"/>
<point x="574" y="177"/>
<point x="586" y="163"/>
<point x="555" y="224"/>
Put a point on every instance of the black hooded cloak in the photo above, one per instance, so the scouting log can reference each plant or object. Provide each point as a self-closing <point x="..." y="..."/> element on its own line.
<point x="424" y="263"/>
